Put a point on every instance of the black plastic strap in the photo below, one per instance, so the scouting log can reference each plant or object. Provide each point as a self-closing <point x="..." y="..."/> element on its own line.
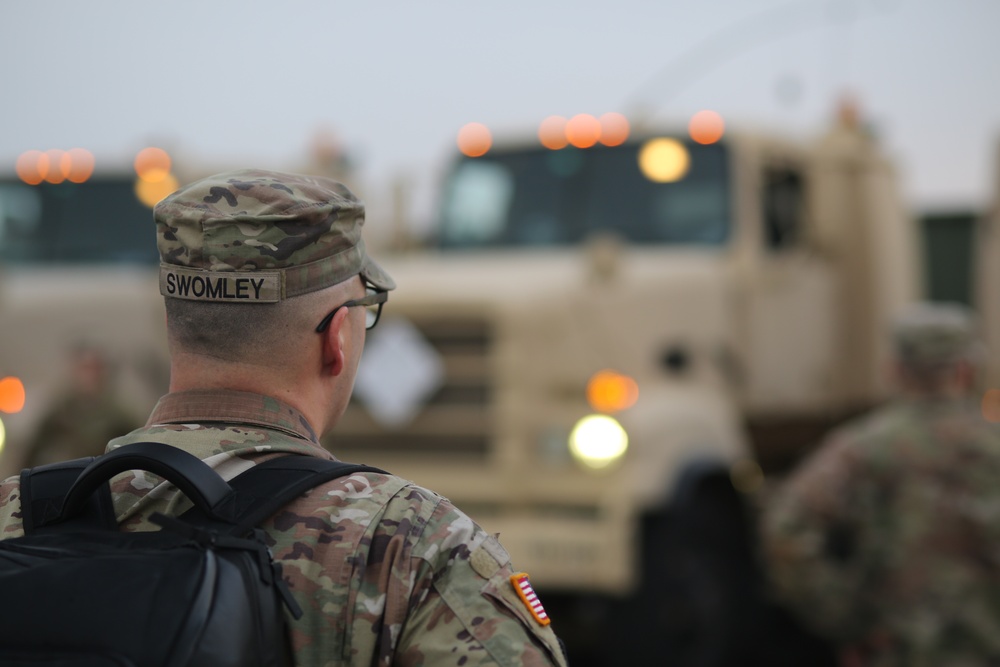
<point x="76" y="493"/>
<point x="202" y="485"/>
<point x="268" y="486"/>
<point x="44" y="488"/>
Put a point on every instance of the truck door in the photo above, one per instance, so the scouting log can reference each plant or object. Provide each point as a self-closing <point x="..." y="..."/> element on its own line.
<point x="790" y="306"/>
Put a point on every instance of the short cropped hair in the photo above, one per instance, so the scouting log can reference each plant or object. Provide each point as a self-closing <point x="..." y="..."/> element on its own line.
<point x="241" y="332"/>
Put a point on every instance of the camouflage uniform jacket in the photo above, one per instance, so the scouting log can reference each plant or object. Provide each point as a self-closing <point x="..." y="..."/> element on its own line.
<point x="387" y="573"/>
<point x="888" y="538"/>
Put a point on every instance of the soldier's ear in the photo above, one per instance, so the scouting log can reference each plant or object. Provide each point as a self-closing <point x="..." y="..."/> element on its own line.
<point x="333" y="344"/>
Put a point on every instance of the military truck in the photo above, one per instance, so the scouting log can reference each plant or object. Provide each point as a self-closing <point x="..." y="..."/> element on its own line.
<point x="597" y="350"/>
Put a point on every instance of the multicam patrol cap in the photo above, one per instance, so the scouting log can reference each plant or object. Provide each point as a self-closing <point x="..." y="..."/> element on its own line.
<point x="255" y="236"/>
<point x="931" y="334"/>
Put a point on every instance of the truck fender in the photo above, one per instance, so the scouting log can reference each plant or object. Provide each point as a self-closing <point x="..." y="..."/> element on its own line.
<point x="703" y="476"/>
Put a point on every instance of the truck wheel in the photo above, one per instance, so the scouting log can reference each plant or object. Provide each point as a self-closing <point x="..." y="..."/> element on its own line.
<point x="698" y="601"/>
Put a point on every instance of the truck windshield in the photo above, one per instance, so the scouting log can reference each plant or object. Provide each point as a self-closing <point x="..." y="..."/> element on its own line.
<point x="99" y="221"/>
<point x="541" y="197"/>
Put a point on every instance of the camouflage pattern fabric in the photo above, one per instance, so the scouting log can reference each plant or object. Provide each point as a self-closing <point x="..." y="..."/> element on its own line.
<point x="300" y="233"/>
<point x="886" y="539"/>
<point x="388" y="573"/>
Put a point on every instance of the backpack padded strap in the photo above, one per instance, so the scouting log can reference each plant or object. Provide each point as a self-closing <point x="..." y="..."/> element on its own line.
<point x="267" y="487"/>
<point x="187" y="472"/>
<point x="43" y="489"/>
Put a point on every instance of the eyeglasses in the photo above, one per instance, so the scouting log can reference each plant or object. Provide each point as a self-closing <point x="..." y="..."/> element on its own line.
<point x="372" y="302"/>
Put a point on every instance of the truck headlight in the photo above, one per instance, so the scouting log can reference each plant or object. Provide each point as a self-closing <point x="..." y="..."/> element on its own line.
<point x="597" y="441"/>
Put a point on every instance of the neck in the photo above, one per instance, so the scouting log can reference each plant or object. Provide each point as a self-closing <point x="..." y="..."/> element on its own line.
<point x="312" y="399"/>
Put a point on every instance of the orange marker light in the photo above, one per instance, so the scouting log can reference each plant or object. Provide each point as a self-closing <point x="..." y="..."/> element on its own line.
<point x="552" y="133"/>
<point x="608" y="392"/>
<point x="29" y="167"/>
<point x="151" y="192"/>
<point x="474" y="139"/>
<point x="152" y="164"/>
<point x="77" y="164"/>
<point x="54" y="166"/>
<point x="11" y="395"/>
<point x="614" y="129"/>
<point x="706" y="127"/>
<point x="991" y="406"/>
<point x="583" y="130"/>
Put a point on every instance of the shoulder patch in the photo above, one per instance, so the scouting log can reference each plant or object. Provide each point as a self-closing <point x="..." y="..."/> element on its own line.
<point x="529" y="597"/>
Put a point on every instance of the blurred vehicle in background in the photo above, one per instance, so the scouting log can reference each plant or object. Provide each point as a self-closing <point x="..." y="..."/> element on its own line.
<point x="606" y="346"/>
<point x="77" y="268"/>
<point x="606" y="343"/>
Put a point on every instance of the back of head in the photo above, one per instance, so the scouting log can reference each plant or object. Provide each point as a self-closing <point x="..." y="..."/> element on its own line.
<point x="241" y="251"/>
<point x="931" y="340"/>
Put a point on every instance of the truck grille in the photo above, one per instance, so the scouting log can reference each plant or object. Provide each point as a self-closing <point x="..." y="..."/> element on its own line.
<point x="456" y="419"/>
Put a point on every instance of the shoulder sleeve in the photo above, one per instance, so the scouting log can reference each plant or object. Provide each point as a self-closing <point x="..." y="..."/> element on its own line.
<point x="10" y="509"/>
<point x="812" y="539"/>
<point x="465" y="609"/>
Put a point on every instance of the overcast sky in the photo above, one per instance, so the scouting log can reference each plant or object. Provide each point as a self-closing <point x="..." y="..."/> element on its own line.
<point x="249" y="83"/>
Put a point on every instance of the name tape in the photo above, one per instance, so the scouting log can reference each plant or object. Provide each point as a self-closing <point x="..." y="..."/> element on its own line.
<point x="240" y="286"/>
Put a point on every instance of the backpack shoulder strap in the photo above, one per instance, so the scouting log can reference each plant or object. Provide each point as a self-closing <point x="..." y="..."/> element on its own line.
<point x="267" y="487"/>
<point x="44" y="488"/>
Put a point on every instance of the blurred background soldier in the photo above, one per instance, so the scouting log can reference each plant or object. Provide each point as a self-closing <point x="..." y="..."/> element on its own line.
<point x="887" y="540"/>
<point x="85" y="417"/>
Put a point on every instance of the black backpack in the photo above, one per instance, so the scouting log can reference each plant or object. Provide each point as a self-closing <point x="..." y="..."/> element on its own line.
<point x="202" y="591"/>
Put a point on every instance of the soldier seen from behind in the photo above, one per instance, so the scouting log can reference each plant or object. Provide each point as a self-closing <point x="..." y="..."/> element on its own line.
<point x="85" y="416"/>
<point x="269" y="294"/>
<point x="887" y="539"/>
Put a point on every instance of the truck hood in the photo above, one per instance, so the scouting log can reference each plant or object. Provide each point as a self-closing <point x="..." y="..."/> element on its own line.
<point x="514" y="277"/>
<point x="564" y="308"/>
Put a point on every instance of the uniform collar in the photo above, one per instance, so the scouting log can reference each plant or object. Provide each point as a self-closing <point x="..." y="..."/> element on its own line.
<point x="224" y="405"/>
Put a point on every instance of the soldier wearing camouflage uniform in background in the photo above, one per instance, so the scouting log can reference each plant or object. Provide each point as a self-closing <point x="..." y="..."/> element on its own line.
<point x="85" y="416"/>
<point x="388" y="573"/>
<point x="887" y="540"/>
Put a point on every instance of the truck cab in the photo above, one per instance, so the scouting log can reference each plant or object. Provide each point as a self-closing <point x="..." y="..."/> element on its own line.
<point x="606" y="346"/>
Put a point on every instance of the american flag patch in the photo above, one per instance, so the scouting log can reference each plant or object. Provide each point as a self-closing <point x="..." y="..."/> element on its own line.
<point x="529" y="597"/>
